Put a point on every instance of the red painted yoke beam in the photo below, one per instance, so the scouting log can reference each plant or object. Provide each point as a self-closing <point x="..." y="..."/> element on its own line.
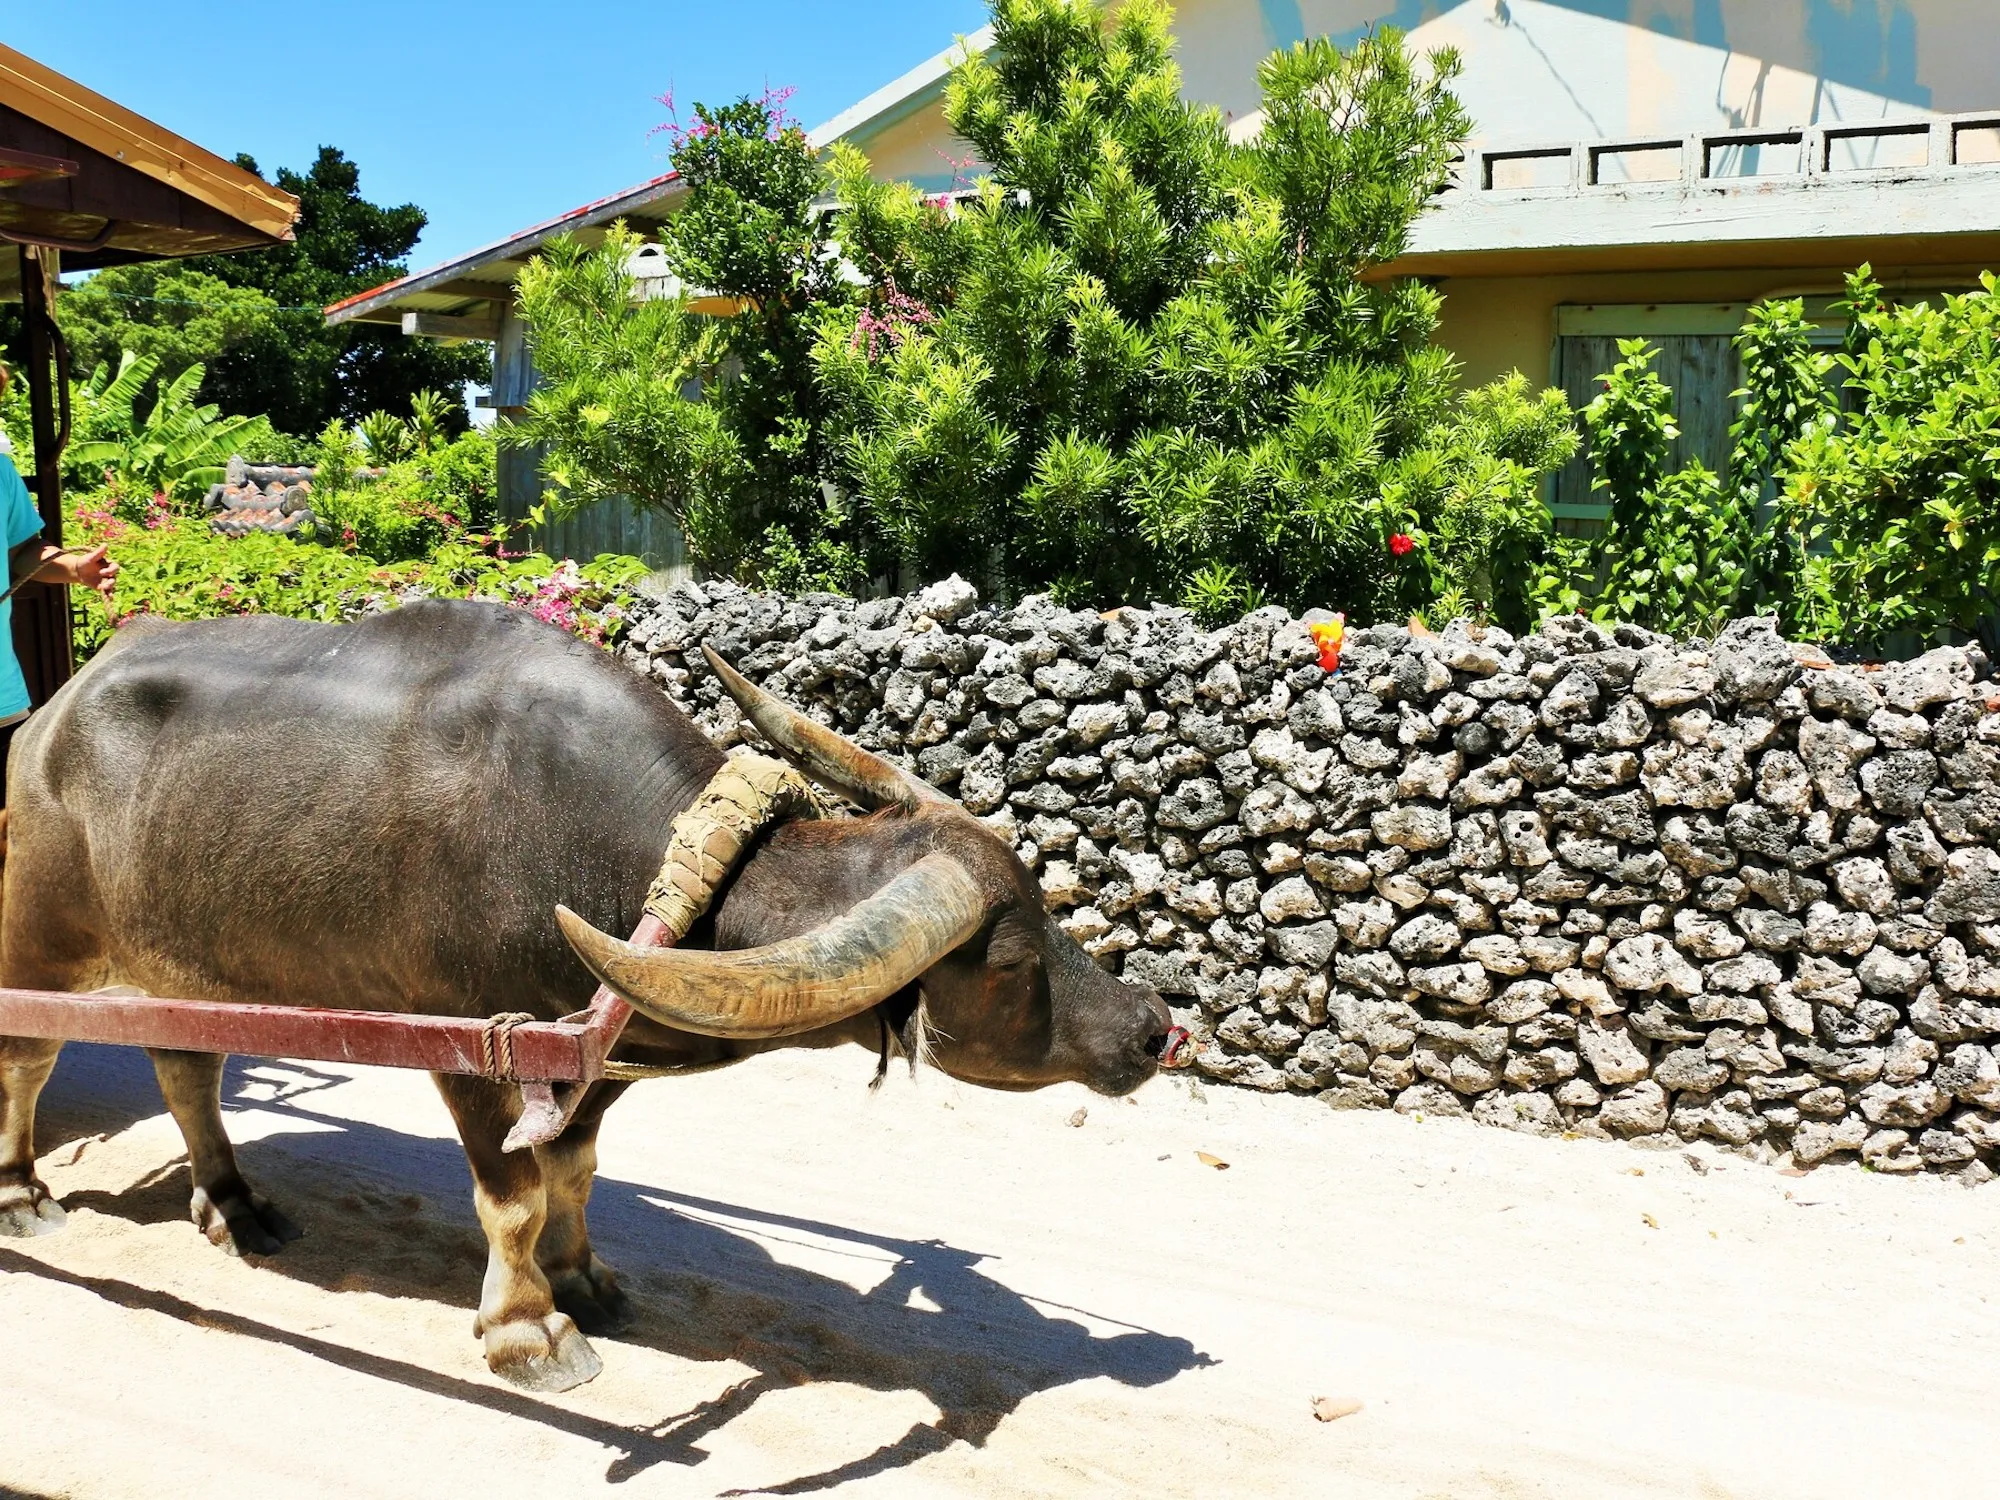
<point x="552" y="1061"/>
<point x="567" y="1051"/>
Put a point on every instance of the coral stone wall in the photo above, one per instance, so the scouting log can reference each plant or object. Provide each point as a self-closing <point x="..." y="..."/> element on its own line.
<point x="1590" y="881"/>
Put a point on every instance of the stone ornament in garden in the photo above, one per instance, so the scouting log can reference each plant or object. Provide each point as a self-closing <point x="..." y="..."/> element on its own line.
<point x="264" y="497"/>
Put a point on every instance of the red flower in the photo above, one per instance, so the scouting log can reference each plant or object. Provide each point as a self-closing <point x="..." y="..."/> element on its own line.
<point x="1402" y="544"/>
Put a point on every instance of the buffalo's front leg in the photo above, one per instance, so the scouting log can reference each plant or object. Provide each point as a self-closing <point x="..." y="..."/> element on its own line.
<point x="584" y="1286"/>
<point x="527" y="1341"/>
<point x="221" y="1205"/>
<point x="25" y="1205"/>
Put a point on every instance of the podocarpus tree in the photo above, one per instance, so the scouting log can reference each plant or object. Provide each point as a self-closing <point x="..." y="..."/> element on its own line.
<point x="750" y="231"/>
<point x="1143" y="361"/>
<point x="611" y="412"/>
<point x="716" y="420"/>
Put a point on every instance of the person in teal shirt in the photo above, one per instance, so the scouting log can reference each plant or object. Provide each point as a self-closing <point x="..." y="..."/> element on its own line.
<point x="28" y="557"/>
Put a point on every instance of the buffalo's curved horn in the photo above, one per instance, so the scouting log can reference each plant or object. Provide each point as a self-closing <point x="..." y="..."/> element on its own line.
<point x="818" y="751"/>
<point x="835" y="971"/>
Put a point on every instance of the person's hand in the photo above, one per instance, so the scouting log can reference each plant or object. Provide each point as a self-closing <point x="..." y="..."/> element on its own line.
<point x="96" y="570"/>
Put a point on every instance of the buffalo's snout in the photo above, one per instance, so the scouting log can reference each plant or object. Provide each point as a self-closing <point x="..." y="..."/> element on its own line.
<point x="1171" y="1047"/>
<point x="1139" y="1030"/>
<point x="1157" y="1022"/>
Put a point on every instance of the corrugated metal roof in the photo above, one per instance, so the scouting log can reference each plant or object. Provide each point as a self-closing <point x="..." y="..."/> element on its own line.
<point x="498" y="263"/>
<point x="455" y="283"/>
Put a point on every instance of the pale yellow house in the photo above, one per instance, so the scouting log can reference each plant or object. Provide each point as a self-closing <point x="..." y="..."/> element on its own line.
<point x="1537" y="71"/>
<point x="1637" y="167"/>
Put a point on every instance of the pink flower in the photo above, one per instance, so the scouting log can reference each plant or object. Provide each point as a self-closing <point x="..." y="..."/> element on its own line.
<point x="901" y="315"/>
<point x="554" y="602"/>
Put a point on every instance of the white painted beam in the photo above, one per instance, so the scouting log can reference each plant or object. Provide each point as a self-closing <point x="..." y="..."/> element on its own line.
<point x="1755" y="209"/>
<point x="485" y="327"/>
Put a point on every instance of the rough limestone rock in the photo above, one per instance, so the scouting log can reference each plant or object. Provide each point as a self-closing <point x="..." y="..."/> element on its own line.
<point x="1612" y="1054"/>
<point x="1753" y="663"/>
<point x="1588" y="880"/>
<point x="1649" y="962"/>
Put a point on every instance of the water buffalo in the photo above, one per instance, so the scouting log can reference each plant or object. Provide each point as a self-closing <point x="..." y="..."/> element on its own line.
<point x="386" y="815"/>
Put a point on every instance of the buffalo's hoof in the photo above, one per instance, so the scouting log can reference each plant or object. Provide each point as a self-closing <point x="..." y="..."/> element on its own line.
<point x="541" y="1354"/>
<point x="242" y="1222"/>
<point x="592" y="1297"/>
<point x="27" y="1210"/>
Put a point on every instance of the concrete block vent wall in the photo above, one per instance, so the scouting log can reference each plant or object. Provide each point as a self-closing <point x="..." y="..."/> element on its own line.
<point x="1590" y="881"/>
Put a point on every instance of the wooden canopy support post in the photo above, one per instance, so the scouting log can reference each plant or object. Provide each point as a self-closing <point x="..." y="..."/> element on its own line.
<point x="43" y="640"/>
<point x="84" y="177"/>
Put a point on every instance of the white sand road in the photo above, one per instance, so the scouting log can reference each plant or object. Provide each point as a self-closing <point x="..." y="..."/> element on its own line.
<point x="937" y="1291"/>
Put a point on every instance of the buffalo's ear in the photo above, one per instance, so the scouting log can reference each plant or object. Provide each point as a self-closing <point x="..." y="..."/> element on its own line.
<point x="1015" y="940"/>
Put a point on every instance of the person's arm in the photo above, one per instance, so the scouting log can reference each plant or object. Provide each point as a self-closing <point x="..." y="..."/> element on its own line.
<point x="34" y="560"/>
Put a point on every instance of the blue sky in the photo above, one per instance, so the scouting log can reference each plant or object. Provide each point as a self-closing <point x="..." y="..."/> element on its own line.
<point x="489" y="116"/>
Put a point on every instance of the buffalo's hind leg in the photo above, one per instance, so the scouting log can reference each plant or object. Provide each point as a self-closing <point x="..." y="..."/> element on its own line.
<point x="26" y="1208"/>
<point x="528" y="1342"/>
<point x="222" y="1205"/>
<point x="584" y="1286"/>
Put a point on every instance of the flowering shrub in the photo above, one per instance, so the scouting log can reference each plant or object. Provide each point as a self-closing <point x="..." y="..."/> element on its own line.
<point x="580" y="600"/>
<point x="117" y="508"/>
<point x="1893" y="505"/>
<point x="1672" y="554"/>
<point x="180" y="569"/>
<point x="414" y="507"/>
<point x="1859" y="503"/>
<point x="770" y="104"/>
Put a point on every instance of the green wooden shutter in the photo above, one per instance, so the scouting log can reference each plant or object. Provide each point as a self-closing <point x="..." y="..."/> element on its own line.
<point x="1697" y="360"/>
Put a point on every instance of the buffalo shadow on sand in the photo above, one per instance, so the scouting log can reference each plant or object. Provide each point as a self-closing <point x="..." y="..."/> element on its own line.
<point x="700" y="1290"/>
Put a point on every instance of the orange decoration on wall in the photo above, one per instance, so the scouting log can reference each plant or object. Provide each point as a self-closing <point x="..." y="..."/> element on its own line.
<point x="1328" y="635"/>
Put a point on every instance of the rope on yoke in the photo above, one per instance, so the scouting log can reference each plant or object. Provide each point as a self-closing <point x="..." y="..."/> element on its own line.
<point x="710" y="838"/>
<point x="496" y="1045"/>
<point x="708" y="841"/>
<point x="616" y="1071"/>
